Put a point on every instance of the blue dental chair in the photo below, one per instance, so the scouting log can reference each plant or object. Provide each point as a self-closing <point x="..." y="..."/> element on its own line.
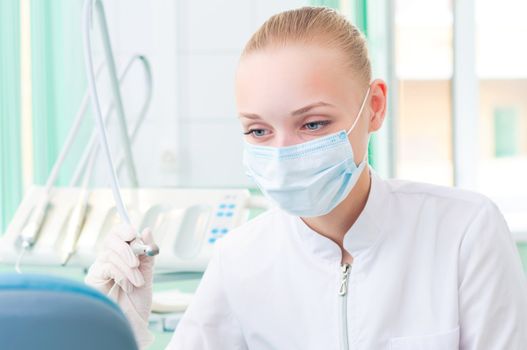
<point x="44" y="312"/>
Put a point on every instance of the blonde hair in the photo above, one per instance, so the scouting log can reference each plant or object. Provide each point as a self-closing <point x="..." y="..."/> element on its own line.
<point x="315" y="25"/>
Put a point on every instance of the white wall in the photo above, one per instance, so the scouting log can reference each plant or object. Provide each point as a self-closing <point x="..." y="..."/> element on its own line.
<point x="192" y="136"/>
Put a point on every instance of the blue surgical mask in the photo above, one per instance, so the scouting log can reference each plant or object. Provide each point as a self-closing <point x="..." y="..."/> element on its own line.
<point x="307" y="179"/>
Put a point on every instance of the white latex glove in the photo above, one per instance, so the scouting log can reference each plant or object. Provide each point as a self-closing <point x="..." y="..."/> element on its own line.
<point x="126" y="278"/>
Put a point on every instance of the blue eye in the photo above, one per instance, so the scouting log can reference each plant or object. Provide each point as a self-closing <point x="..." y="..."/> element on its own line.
<point x="313" y="126"/>
<point x="256" y="132"/>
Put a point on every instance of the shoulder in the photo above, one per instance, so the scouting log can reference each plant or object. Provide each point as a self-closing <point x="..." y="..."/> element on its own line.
<point x="440" y="198"/>
<point x="403" y="189"/>
<point x="438" y="209"/>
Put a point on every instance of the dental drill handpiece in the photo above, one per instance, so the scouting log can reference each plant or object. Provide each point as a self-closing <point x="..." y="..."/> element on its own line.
<point x="31" y="230"/>
<point x="140" y="248"/>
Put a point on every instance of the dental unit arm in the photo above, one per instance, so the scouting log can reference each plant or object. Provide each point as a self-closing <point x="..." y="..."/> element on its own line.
<point x="29" y="234"/>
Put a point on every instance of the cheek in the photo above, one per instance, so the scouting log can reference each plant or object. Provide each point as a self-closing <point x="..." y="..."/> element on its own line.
<point x="359" y="142"/>
<point x="359" y="151"/>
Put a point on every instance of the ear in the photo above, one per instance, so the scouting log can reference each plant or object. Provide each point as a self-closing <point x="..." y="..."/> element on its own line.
<point x="378" y="90"/>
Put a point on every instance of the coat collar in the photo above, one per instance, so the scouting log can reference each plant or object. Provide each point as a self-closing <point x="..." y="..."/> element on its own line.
<point x="364" y="233"/>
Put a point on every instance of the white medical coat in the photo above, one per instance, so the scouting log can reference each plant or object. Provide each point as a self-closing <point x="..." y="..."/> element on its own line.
<point x="434" y="268"/>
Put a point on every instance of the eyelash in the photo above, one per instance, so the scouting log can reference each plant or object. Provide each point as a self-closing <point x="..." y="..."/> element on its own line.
<point x="321" y="123"/>
<point x="318" y="123"/>
<point x="252" y="131"/>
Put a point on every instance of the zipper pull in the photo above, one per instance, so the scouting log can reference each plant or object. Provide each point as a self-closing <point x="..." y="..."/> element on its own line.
<point x="345" y="272"/>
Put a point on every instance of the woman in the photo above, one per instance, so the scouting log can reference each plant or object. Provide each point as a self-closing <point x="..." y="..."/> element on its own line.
<point x="346" y="259"/>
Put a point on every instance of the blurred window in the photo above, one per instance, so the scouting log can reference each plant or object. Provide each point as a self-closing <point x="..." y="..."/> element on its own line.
<point x="501" y="56"/>
<point x="424" y="66"/>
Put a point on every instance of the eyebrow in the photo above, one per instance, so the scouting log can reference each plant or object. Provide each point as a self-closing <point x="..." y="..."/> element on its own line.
<point x="299" y="111"/>
<point x="310" y="107"/>
<point x="250" y="116"/>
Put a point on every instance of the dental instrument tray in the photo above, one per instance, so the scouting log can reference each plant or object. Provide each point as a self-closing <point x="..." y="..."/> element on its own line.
<point x="186" y="223"/>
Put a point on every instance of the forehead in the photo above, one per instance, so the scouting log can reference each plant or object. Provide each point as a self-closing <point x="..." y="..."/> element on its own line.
<point x="289" y="76"/>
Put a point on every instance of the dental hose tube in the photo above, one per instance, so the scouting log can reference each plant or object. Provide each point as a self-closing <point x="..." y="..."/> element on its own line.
<point x="137" y="244"/>
<point x="145" y="64"/>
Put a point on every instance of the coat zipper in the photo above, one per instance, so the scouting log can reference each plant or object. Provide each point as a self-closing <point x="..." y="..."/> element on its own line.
<point x="343" y="292"/>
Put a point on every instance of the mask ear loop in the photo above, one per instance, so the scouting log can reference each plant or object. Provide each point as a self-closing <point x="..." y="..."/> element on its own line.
<point x="365" y="159"/>
<point x="360" y="111"/>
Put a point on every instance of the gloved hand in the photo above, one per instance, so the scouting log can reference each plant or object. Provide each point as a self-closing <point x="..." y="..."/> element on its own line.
<point x="126" y="278"/>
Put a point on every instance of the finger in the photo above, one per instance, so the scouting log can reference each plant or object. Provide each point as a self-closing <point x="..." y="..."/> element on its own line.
<point x="122" y="232"/>
<point x="131" y="274"/>
<point x="147" y="236"/>
<point x="123" y="250"/>
<point x="103" y="274"/>
<point x="146" y="262"/>
<point x="146" y="266"/>
<point x="95" y="278"/>
<point x="117" y="276"/>
<point x="125" y="232"/>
